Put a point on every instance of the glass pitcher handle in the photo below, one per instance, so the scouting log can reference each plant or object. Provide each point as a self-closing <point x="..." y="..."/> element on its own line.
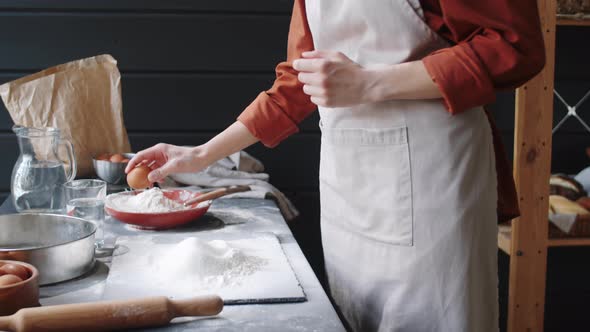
<point x="71" y="157"/>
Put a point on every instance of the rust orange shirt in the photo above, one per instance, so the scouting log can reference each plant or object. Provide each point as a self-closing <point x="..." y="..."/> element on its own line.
<point x="496" y="45"/>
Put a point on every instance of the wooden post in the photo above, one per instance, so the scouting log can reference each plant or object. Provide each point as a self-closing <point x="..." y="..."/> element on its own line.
<point x="532" y="167"/>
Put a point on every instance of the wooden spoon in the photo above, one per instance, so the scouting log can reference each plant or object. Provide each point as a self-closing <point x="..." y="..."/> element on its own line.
<point x="216" y="194"/>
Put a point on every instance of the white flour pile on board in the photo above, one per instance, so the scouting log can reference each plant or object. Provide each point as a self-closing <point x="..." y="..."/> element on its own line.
<point x="205" y="265"/>
<point x="148" y="201"/>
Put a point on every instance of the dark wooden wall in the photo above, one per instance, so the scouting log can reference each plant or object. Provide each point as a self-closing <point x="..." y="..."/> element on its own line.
<point x="189" y="68"/>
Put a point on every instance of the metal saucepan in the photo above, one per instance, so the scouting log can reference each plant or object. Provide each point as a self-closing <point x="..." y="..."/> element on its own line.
<point x="60" y="247"/>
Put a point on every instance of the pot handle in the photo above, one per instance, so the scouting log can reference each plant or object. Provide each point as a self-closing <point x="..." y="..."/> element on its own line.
<point x="71" y="157"/>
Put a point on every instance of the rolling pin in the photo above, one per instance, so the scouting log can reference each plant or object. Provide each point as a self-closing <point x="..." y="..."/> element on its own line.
<point x="109" y="315"/>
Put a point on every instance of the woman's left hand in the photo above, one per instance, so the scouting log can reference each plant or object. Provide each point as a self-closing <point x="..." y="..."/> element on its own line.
<point x="331" y="79"/>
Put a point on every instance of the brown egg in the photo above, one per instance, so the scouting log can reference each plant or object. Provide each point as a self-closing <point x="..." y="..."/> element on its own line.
<point x="104" y="156"/>
<point x="14" y="269"/>
<point x="138" y="177"/>
<point x="14" y="256"/>
<point x="9" y="279"/>
<point x="116" y="158"/>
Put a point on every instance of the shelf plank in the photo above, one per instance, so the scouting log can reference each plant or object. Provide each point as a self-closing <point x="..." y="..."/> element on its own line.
<point x="568" y="242"/>
<point x="505" y="238"/>
<point x="573" y="20"/>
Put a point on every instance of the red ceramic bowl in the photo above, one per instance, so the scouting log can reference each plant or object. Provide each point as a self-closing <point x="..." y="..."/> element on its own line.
<point x="165" y="220"/>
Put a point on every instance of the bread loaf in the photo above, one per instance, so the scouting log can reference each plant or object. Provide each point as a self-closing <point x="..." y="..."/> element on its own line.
<point x="566" y="186"/>
<point x="584" y="202"/>
<point x="562" y="205"/>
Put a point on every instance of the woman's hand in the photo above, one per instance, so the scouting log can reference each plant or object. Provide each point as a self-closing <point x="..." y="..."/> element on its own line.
<point x="165" y="159"/>
<point x="331" y="79"/>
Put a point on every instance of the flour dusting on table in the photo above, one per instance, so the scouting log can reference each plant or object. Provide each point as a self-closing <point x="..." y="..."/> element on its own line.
<point x="149" y="201"/>
<point x="208" y="265"/>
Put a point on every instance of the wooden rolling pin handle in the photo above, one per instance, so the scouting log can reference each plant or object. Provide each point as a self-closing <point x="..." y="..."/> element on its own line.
<point x="109" y="315"/>
<point x="207" y="306"/>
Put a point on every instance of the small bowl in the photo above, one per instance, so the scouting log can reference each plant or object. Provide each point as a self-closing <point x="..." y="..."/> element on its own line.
<point x="110" y="172"/>
<point x="24" y="294"/>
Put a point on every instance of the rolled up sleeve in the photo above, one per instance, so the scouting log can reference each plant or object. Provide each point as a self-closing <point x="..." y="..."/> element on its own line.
<point x="275" y="114"/>
<point x="497" y="45"/>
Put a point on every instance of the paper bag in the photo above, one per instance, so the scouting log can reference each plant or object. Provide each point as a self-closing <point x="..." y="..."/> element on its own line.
<point x="82" y="98"/>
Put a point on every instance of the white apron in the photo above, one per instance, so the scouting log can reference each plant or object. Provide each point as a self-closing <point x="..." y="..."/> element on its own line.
<point x="408" y="192"/>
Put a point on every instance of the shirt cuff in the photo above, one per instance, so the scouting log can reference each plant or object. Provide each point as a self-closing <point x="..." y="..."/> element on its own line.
<point x="460" y="78"/>
<point x="267" y="121"/>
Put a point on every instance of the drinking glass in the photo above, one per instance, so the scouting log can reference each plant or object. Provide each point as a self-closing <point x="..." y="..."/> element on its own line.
<point x="85" y="199"/>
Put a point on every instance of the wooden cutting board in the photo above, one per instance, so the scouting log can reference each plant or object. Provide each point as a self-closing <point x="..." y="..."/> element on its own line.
<point x="147" y="268"/>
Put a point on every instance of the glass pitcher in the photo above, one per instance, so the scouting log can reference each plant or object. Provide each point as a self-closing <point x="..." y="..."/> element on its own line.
<point x="39" y="173"/>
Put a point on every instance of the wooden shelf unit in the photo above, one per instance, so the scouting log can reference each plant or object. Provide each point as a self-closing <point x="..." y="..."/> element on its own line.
<point x="573" y="20"/>
<point x="526" y="239"/>
<point x="505" y="240"/>
<point x="568" y="242"/>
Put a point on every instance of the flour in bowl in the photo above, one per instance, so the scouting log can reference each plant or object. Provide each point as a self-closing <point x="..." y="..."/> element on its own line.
<point x="149" y="201"/>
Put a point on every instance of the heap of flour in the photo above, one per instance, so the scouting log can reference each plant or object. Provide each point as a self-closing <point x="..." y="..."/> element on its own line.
<point x="204" y="265"/>
<point x="149" y="201"/>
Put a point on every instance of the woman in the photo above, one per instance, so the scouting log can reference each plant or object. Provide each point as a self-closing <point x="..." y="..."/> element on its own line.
<point x="409" y="168"/>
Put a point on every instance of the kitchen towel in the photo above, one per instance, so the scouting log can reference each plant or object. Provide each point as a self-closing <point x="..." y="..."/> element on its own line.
<point x="239" y="168"/>
<point x="564" y="222"/>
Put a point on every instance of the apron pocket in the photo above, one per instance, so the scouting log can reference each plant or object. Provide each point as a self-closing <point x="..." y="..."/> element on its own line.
<point x="365" y="183"/>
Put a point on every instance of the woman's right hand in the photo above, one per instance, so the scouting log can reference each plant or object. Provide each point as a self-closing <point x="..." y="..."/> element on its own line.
<point x="165" y="159"/>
